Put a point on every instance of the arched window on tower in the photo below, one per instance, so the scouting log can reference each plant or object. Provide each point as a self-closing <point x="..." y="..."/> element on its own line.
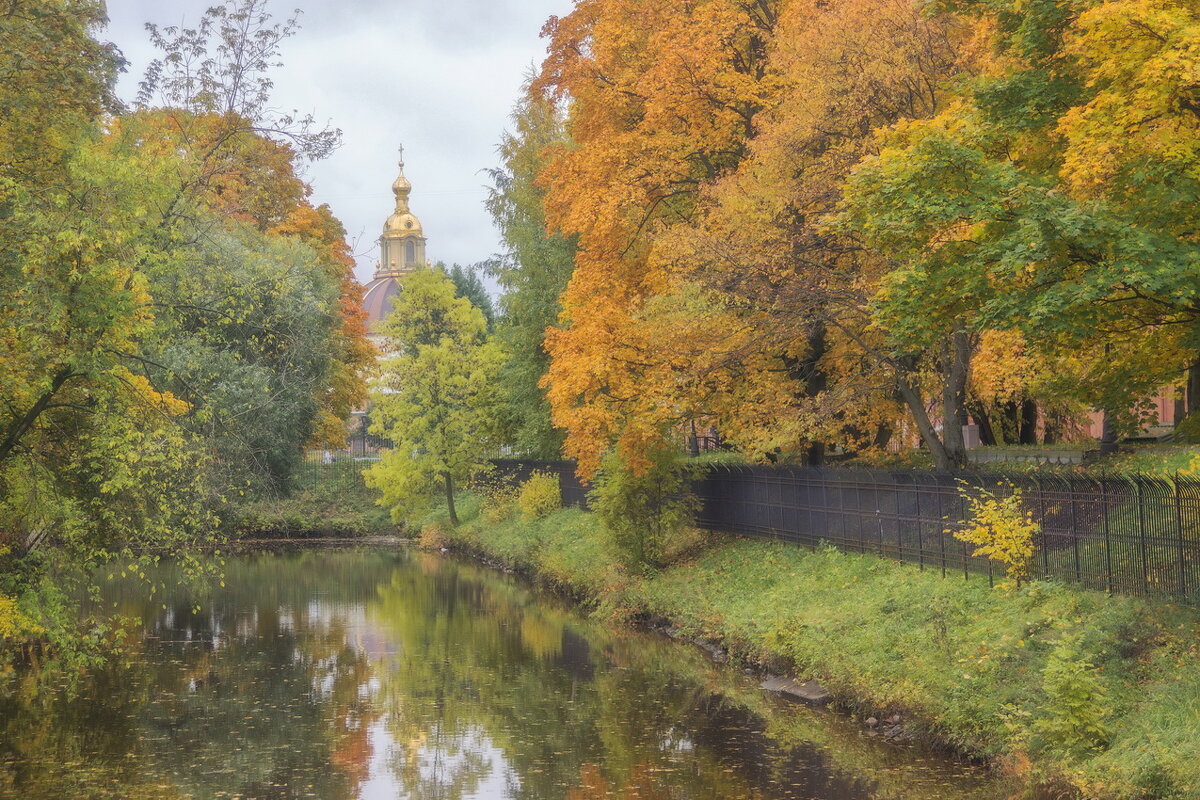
<point x="410" y="251"/>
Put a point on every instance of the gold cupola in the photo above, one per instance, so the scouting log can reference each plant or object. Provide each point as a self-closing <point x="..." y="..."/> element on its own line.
<point x="402" y="245"/>
<point x="401" y="250"/>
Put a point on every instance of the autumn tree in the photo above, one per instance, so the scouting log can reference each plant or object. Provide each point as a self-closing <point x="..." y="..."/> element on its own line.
<point x="661" y="101"/>
<point x="436" y="397"/>
<point x="93" y="462"/>
<point x="709" y="149"/>
<point x="207" y="96"/>
<point x="1054" y="197"/>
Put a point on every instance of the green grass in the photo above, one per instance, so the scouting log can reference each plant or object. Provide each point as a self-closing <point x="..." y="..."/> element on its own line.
<point x="1153" y="459"/>
<point x="964" y="663"/>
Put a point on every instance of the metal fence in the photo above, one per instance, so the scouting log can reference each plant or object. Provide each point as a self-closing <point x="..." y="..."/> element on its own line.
<point x="336" y="466"/>
<point x="1131" y="534"/>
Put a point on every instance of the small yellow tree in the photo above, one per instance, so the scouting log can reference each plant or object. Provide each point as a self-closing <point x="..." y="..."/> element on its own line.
<point x="1001" y="529"/>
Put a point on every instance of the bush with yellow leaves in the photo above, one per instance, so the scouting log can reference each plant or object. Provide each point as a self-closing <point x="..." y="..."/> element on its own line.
<point x="540" y="496"/>
<point x="1001" y="529"/>
<point x="497" y="500"/>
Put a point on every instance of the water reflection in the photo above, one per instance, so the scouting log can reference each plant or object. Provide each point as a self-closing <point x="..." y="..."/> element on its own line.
<point x="374" y="674"/>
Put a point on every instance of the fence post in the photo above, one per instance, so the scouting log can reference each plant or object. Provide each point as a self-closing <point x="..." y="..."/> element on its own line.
<point x="1041" y="490"/>
<point x="920" y="529"/>
<point x="1179" y="539"/>
<point x="1074" y="531"/>
<point x="879" y="519"/>
<point x="1108" y="571"/>
<point x="1141" y="505"/>
<point x="942" y="520"/>
<point x="962" y="511"/>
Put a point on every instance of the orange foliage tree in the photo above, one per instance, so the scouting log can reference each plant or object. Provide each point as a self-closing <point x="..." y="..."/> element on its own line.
<point x="662" y="101"/>
<point x="710" y="143"/>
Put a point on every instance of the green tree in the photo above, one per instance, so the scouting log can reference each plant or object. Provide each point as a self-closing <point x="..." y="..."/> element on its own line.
<point x="532" y="272"/>
<point x="140" y="323"/>
<point x="436" y="398"/>
<point x="468" y="284"/>
<point x="244" y="334"/>
<point x="643" y="510"/>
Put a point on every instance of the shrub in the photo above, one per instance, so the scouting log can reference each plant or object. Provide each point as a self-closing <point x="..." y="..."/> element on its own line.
<point x="433" y="537"/>
<point x="1001" y="529"/>
<point x="540" y="496"/>
<point x="644" y="509"/>
<point x="1075" y="710"/>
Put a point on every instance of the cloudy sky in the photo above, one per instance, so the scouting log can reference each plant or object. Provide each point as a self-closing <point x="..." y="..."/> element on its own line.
<point x="438" y="76"/>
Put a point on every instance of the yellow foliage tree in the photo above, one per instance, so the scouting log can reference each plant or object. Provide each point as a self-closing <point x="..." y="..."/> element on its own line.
<point x="1001" y="529"/>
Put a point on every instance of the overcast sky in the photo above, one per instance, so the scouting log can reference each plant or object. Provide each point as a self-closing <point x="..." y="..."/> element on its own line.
<point x="439" y="76"/>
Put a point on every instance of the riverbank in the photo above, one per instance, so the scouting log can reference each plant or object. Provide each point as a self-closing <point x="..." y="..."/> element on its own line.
<point x="326" y="501"/>
<point x="1060" y="688"/>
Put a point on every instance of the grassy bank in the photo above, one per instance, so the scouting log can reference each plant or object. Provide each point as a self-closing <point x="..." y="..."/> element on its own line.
<point x="325" y="500"/>
<point x="1058" y="686"/>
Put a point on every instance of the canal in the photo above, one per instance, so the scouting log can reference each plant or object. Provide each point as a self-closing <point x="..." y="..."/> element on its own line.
<point x="388" y="673"/>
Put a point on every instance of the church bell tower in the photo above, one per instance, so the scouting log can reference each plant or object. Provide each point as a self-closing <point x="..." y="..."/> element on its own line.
<point x="402" y="245"/>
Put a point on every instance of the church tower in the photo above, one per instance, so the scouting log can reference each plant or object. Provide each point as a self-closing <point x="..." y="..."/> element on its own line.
<point x="401" y="250"/>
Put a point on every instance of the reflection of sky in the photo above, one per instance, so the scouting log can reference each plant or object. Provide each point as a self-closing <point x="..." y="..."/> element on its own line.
<point x="437" y="763"/>
<point x="383" y="783"/>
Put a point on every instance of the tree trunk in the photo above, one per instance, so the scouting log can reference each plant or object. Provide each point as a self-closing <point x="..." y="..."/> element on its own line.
<point x="1193" y="387"/>
<point x="949" y="451"/>
<point x="450" y="498"/>
<point x="1029" y="416"/>
<point x="987" y="435"/>
<point x="1108" y="434"/>
<point x="1052" y="428"/>
<point x="883" y="435"/>
<point x="19" y="427"/>
<point x="815" y="382"/>
<point x="916" y="406"/>
<point x="1010" y="428"/>
<point x="956" y="369"/>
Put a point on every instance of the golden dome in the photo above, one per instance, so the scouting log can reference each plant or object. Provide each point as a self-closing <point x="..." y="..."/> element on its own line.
<point x="402" y="223"/>
<point x="401" y="186"/>
<point x="401" y="247"/>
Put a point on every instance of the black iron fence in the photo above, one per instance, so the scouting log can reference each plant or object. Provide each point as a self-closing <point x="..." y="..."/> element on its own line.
<point x="1131" y="534"/>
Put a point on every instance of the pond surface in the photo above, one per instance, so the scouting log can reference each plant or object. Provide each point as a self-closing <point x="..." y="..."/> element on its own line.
<point x="373" y="673"/>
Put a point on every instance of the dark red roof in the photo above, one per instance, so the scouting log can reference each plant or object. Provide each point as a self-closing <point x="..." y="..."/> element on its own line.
<point x="377" y="300"/>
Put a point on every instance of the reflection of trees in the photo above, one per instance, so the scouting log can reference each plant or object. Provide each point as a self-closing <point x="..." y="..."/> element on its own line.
<point x="286" y="682"/>
<point x="55" y="744"/>
<point x="555" y="695"/>
<point x="260" y="692"/>
<point x="257" y="694"/>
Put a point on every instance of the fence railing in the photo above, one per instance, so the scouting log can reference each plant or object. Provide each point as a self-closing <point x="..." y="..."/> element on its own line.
<point x="1131" y="534"/>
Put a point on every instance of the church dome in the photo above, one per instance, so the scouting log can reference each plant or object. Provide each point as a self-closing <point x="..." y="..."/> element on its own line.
<point x="378" y="296"/>
<point x="402" y="223"/>
<point x="401" y="185"/>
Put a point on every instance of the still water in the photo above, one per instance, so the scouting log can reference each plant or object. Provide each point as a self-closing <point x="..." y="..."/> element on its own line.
<point x="385" y="673"/>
